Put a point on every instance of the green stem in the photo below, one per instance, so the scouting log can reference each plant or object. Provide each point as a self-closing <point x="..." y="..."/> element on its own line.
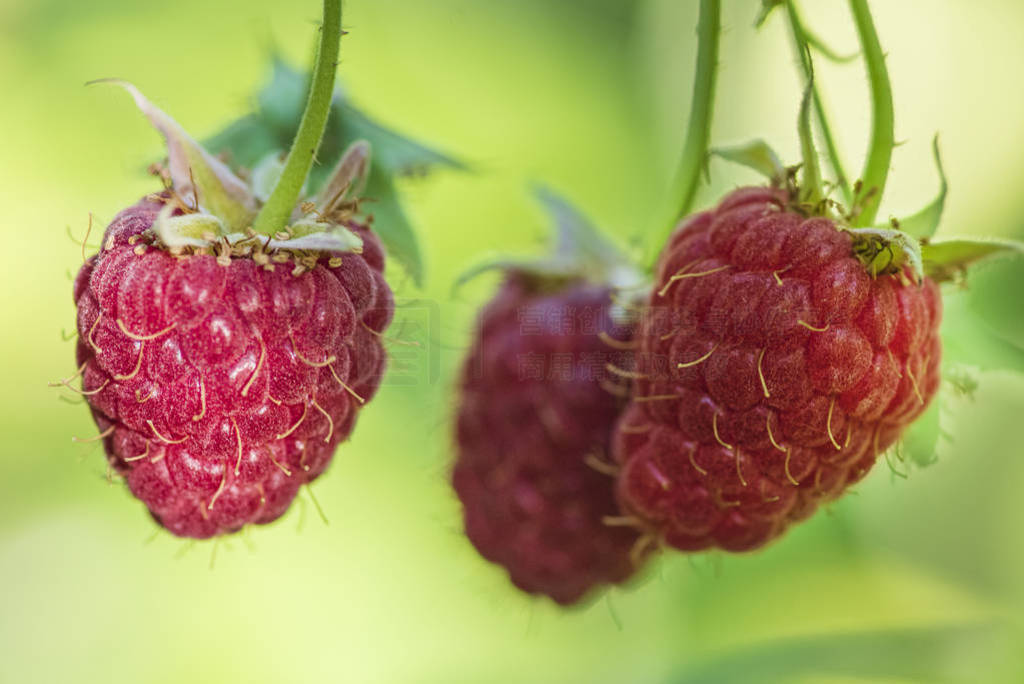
<point x="811" y="187"/>
<point x="698" y="132"/>
<point x="276" y="213"/>
<point x="803" y="40"/>
<point x="876" y="165"/>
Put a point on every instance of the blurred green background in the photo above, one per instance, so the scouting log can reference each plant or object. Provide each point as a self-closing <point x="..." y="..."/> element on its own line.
<point x="918" y="579"/>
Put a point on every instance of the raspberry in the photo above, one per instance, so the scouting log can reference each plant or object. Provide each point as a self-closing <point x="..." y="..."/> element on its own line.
<point x="534" y="414"/>
<point x="774" y="370"/>
<point x="220" y="385"/>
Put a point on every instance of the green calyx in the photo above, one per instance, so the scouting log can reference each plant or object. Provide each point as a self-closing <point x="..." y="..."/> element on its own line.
<point x="901" y="245"/>
<point x="579" y="252"/>
<point x="315" y="226"/>
<point x="220" y="212"/>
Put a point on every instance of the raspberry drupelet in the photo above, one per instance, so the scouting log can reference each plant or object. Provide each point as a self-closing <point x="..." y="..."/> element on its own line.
<point x="774" y="369"/>
<point x="222" y="384"/>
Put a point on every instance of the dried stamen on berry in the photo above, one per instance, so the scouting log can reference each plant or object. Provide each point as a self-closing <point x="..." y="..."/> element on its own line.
<point x="697" y="362"/>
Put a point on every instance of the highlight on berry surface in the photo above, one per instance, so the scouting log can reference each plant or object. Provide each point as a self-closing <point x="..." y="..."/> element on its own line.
<point x="229" y="335"/>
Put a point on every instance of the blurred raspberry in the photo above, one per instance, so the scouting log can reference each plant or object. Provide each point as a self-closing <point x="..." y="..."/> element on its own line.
<point x="533" y="424"/>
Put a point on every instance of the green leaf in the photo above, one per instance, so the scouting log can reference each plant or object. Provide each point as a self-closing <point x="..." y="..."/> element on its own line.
<point x="969" y="340"/>
<point x="949" y="258"/>
<point x="280" y="102"/>
<point x="270" y="129"/>
<point x="924" y="223"/>
<point x="994" y="293"/>
<point x="194" y="171"/>
<point x="922" y="437"/>
<point x="394" y="152"/>
<point x="757" y="155"/>
<point x="279" y="107"/>
<point x="246" y="141"/>
<point x="914" y="653"/>
<point x="392" y="225"/>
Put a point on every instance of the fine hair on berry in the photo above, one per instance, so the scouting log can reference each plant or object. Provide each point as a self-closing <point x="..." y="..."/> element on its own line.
<point x="774" y="368"/>
<point x="221" y="383"/>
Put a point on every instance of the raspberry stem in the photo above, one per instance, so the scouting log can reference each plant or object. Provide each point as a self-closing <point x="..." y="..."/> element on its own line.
<point x="276" y="213"/>
<point x="876" y="166"/>
<point x="698" y="129"/>
<point x="802" y="41"/>
<point x="811" y="188"/>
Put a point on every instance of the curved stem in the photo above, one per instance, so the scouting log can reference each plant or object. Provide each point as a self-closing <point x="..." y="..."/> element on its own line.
<point x="276" y="213"/>
<point x="811" y="188"/>
<point x="698" y="130"/>
<point x="876" y="165"/>
<point x="803" y="41"/>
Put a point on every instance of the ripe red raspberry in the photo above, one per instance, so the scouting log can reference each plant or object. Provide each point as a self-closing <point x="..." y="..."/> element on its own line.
<point x="221" y="385"/>
<point x="776" y="370"/>
<point x="534" y="409"/>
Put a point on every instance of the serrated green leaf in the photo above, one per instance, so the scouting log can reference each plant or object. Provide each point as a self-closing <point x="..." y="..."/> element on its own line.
<point x="924" y="223"/>
<point x="277" y="116"/>
<point x="922" y="437"/>
<point x="395" y="152"/>
<point x="947" y="259"/>
<point x="392" y="225"/>
<point x="271" y="127"/>
<point x="757" y="155"/>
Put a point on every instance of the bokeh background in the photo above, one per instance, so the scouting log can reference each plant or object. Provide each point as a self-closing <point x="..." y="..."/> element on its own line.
<point x="911" y="579"/>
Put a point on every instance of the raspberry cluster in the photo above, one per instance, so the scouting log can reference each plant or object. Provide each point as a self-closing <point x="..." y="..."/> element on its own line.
<point x="774" y="369"/>
<point x="221" y="385"/>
